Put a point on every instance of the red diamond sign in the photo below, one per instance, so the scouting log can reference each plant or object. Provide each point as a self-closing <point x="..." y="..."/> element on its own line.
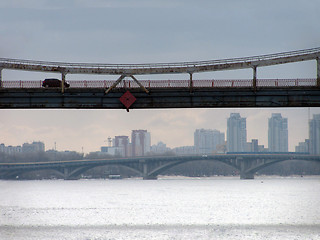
<point x="127" y="99"/>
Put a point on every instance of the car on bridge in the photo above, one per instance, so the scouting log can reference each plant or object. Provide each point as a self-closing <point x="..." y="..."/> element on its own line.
<point x="54" y="82"/>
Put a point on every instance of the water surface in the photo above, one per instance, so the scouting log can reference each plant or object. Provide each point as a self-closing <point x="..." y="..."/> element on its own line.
<point x="211" y="208"/>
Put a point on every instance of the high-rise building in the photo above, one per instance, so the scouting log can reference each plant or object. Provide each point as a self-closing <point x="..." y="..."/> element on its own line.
<point x="140" y="142"/>
<point x="236" y="133"/>
<point x="207" y="140"/>
<point x="122" y="143"/>
<point x="314" y="134"/>
<point x="278" y="133"/>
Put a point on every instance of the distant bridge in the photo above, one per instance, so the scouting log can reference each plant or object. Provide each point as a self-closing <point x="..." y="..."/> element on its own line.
<point x="151" y="167"/>
<point x="163" y="94"/>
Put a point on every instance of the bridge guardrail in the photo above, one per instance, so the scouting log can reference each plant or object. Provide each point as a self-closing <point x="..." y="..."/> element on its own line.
<point x="213" y="83"/>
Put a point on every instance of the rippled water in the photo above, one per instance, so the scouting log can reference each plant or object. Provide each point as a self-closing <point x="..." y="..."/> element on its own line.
<point x="212" y="208"/>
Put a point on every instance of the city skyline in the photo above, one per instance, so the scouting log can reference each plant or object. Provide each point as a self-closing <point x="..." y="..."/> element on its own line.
<point x="190" y="142"/>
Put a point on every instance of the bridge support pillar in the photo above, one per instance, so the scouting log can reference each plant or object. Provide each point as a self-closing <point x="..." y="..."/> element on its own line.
<point x="254" y="81"/>
<point x="150" y="178"/>
<point x="318" y="72"/>
<point x="146" y="176"/>
<point x="0" y="77"/>
<point x="191" y="83"/>
<point x="65" y="173"/>
<point x="244" y="166"/>
<point x="244" y="175"/>
<point x="63" y="80"/>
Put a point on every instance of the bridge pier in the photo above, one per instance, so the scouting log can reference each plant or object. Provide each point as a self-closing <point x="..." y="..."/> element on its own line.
<point x="63" y="80"/>
<point x="150" y="177"/>
<point x="146" y="175"/>
<point x="318" y="72"/>
<point x="254" y="81"/>
<point x="1" y="77"/>
<point x="245" y="164"/>
<point x="245" y="175"/>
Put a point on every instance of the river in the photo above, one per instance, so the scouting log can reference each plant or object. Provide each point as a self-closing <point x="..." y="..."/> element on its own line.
<point x="167" y="208"/>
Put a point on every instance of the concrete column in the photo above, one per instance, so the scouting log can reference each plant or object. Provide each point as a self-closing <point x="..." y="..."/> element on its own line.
<point x="65" y="173"/>
<point x="0" y="77"/>
<point x="254" y="83"/>
<point x="244" y="166"/>
<point x="63" y="79"/>
<point x="318" y="72"/>
<point x="191" y="83"/>
<point x="145" y="173"/>
<point x="244" y="175"/>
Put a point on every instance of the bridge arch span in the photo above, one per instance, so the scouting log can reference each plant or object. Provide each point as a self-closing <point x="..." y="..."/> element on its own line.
<point x="75" y="173"/>
<point x="162" y="168"/>
<point x="17" y="174"/>
<point x="271" y="162"/>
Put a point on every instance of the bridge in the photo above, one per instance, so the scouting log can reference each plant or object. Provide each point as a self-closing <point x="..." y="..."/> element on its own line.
<point x="150" y="167"/>
<point x="127" y="92"/>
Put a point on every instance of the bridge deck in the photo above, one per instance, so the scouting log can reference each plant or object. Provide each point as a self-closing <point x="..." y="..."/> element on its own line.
<point x="223" y="97"/>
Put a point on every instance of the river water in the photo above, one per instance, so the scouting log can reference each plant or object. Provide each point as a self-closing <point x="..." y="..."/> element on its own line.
<point x="176" y="208"/>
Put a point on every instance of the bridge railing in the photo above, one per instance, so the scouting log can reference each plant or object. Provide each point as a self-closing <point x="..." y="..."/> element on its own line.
<point x="213" y="83"/>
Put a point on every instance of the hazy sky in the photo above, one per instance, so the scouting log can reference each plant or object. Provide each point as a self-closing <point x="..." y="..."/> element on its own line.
<point x="152" y="31"/>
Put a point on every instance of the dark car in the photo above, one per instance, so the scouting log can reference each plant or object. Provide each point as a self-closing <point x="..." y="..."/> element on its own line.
<point x="54" y="82"/>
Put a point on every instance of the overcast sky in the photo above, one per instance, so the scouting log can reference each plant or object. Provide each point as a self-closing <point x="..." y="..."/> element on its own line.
<point x="140" y="31"/>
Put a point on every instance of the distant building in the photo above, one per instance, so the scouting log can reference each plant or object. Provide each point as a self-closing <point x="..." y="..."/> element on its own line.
<point x="33" y="147"/>
<point x="254" y="146"/>
<point x="207" y="140"/>
<point x="314" y="134"/>
<point x="236" y="133"/>
<point x="303" y="147"/>
<point x="140" y="142"/>
<point x="278" y="133"/>
<point x="122" y="142"/>
<point x="10" y="150"/>
<point x="2" y="147"/>
<point x="114" y="151"/>
<point x="159" y="148"/>
<point x="184" y="150"/>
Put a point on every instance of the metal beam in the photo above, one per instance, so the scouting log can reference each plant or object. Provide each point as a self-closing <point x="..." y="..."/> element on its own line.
<point x="115" y="84"/>
<point x="141" y="86"/>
